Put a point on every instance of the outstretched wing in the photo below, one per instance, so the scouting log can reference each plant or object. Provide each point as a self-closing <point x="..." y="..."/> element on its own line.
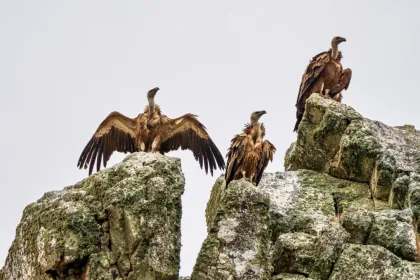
<point x="188" y="133"/>
<point x="268" y="151"/>
<point x="115" y="133"/>
<point x="312" y="71"/>
<point x="236" y="155"/>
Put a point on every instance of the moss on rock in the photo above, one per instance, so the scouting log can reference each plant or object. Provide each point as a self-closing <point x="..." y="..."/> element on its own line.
<point x="120" y="223"/>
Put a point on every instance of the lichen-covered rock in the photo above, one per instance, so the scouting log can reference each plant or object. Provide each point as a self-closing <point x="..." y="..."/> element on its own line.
<point x="333" y="138"/>
<point x="288" y="276"/>
<point x="358" y="224"/>
<point x="226" y="252"/>
<point x="393" y="229"/>
<point x="347" y="208"/>
<point x="294" y="253"/>
<point x="212" y="205"/>
<point x="372" y="262"/>
<point x="322" y="224"/>
<point x="292" y="224"/>
<point x="120" y="223"/>
<point x="297" y="224"/>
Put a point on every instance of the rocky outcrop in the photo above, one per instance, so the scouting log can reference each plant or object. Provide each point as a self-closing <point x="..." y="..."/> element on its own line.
<point x="347" y="208"/>
<point x="303" y="225"/>
<point x="335" y="139"/>
<point x="120" y="223"/>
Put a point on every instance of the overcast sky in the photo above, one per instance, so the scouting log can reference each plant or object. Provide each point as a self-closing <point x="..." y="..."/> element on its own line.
<point x="65" y="65"/>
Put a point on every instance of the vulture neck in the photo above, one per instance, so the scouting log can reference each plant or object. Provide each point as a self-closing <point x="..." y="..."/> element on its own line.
<point x="334" y="51"/>
<point x="151" y="106"/>
<point x="256" y="131"/>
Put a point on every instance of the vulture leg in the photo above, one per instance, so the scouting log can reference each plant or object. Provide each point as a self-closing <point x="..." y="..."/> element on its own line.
<point x="156" y="145"/>
<point x="338" y="97"/>
<point x="322" y="89"/>
<point x="244" y="176"/>
<point x="252" y="179"/>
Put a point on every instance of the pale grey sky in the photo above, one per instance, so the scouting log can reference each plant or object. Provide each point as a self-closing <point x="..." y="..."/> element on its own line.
<point x="64" y="65"/>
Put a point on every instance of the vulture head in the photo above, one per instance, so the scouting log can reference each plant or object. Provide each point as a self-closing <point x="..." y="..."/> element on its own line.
<point x="337" y="40"/>
<point x="151" y="99"/>
<point x="255" y="116"/>
<point x="151" y="94"/>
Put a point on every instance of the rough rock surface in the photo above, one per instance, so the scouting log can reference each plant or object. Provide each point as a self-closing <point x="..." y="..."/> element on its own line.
<point x="318" y="219"/>
<point x="335" y="139"/>
<point x="297" y="224"/>
<point x="120" y="223"/>
<point x="347" y="208"/>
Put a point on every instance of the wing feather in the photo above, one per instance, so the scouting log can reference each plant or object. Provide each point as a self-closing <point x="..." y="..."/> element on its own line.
<point x="116" y="133"/>
<point x="312" y="71"/>
<point x="343" y="84"/>
<point x="235" y="156"/>
<point x="188" y="133"/>
<point x="268" y="151"/>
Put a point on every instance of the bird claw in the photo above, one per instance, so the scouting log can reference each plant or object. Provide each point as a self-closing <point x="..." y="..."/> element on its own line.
<point x="250" y="181"/>
<point x="324" y="96"/>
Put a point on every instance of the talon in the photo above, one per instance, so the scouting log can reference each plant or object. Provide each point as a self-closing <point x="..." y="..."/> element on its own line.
<point x="324" y="96"/>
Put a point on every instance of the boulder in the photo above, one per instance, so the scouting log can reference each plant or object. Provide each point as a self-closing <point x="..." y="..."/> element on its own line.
<point x="120" y="223"/>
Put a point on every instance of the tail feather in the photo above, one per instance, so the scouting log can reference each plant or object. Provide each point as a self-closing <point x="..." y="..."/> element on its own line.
<point x="299" y="117"/>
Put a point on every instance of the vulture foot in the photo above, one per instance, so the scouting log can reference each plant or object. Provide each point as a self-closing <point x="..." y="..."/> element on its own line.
<point x="324" y="96"/>
<point x="247" y="179"/>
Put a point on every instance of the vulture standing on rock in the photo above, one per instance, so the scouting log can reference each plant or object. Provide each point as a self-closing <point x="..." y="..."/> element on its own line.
<point x="324" y="75"/>
<point x="150" y="132"/>
<point x="248" y="154"/>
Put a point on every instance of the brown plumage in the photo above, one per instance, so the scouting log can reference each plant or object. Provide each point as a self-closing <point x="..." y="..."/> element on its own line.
<point x="150" y="132"/>
<point x="248" y="154"/>
<point x="323" y="75"/>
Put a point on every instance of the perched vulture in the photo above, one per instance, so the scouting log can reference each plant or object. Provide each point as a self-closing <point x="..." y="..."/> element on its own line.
<point x="323" y="75"/>
<point x="150" y="132"/>
<point x="248" y="154"/>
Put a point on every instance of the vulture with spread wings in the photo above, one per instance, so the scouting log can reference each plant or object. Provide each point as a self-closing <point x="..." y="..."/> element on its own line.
<point x="249" y="154"/>
<point x="323" y="75"/>
<point x="150" y="132"/>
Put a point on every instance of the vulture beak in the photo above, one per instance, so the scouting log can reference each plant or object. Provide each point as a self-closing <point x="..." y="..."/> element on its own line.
<point x="342" y="40"/>
<point x="262" y="113"/>
<point x="152" y="92"/>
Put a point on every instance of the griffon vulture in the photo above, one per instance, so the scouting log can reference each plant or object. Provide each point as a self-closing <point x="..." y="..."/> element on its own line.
<point x="324" y="75"/>
<point x="150" y="132"/>
<point x="248" y="154"/>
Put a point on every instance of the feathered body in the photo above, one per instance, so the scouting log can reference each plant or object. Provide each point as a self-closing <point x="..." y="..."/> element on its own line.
<point x="323" y="75"/>
<point x="249" y="154"/>
<point x="150" y="132"/>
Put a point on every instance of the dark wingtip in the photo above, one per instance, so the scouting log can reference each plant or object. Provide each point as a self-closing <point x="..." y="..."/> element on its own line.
<point x="82" y="162"/>
<point x="218" y="156"/>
